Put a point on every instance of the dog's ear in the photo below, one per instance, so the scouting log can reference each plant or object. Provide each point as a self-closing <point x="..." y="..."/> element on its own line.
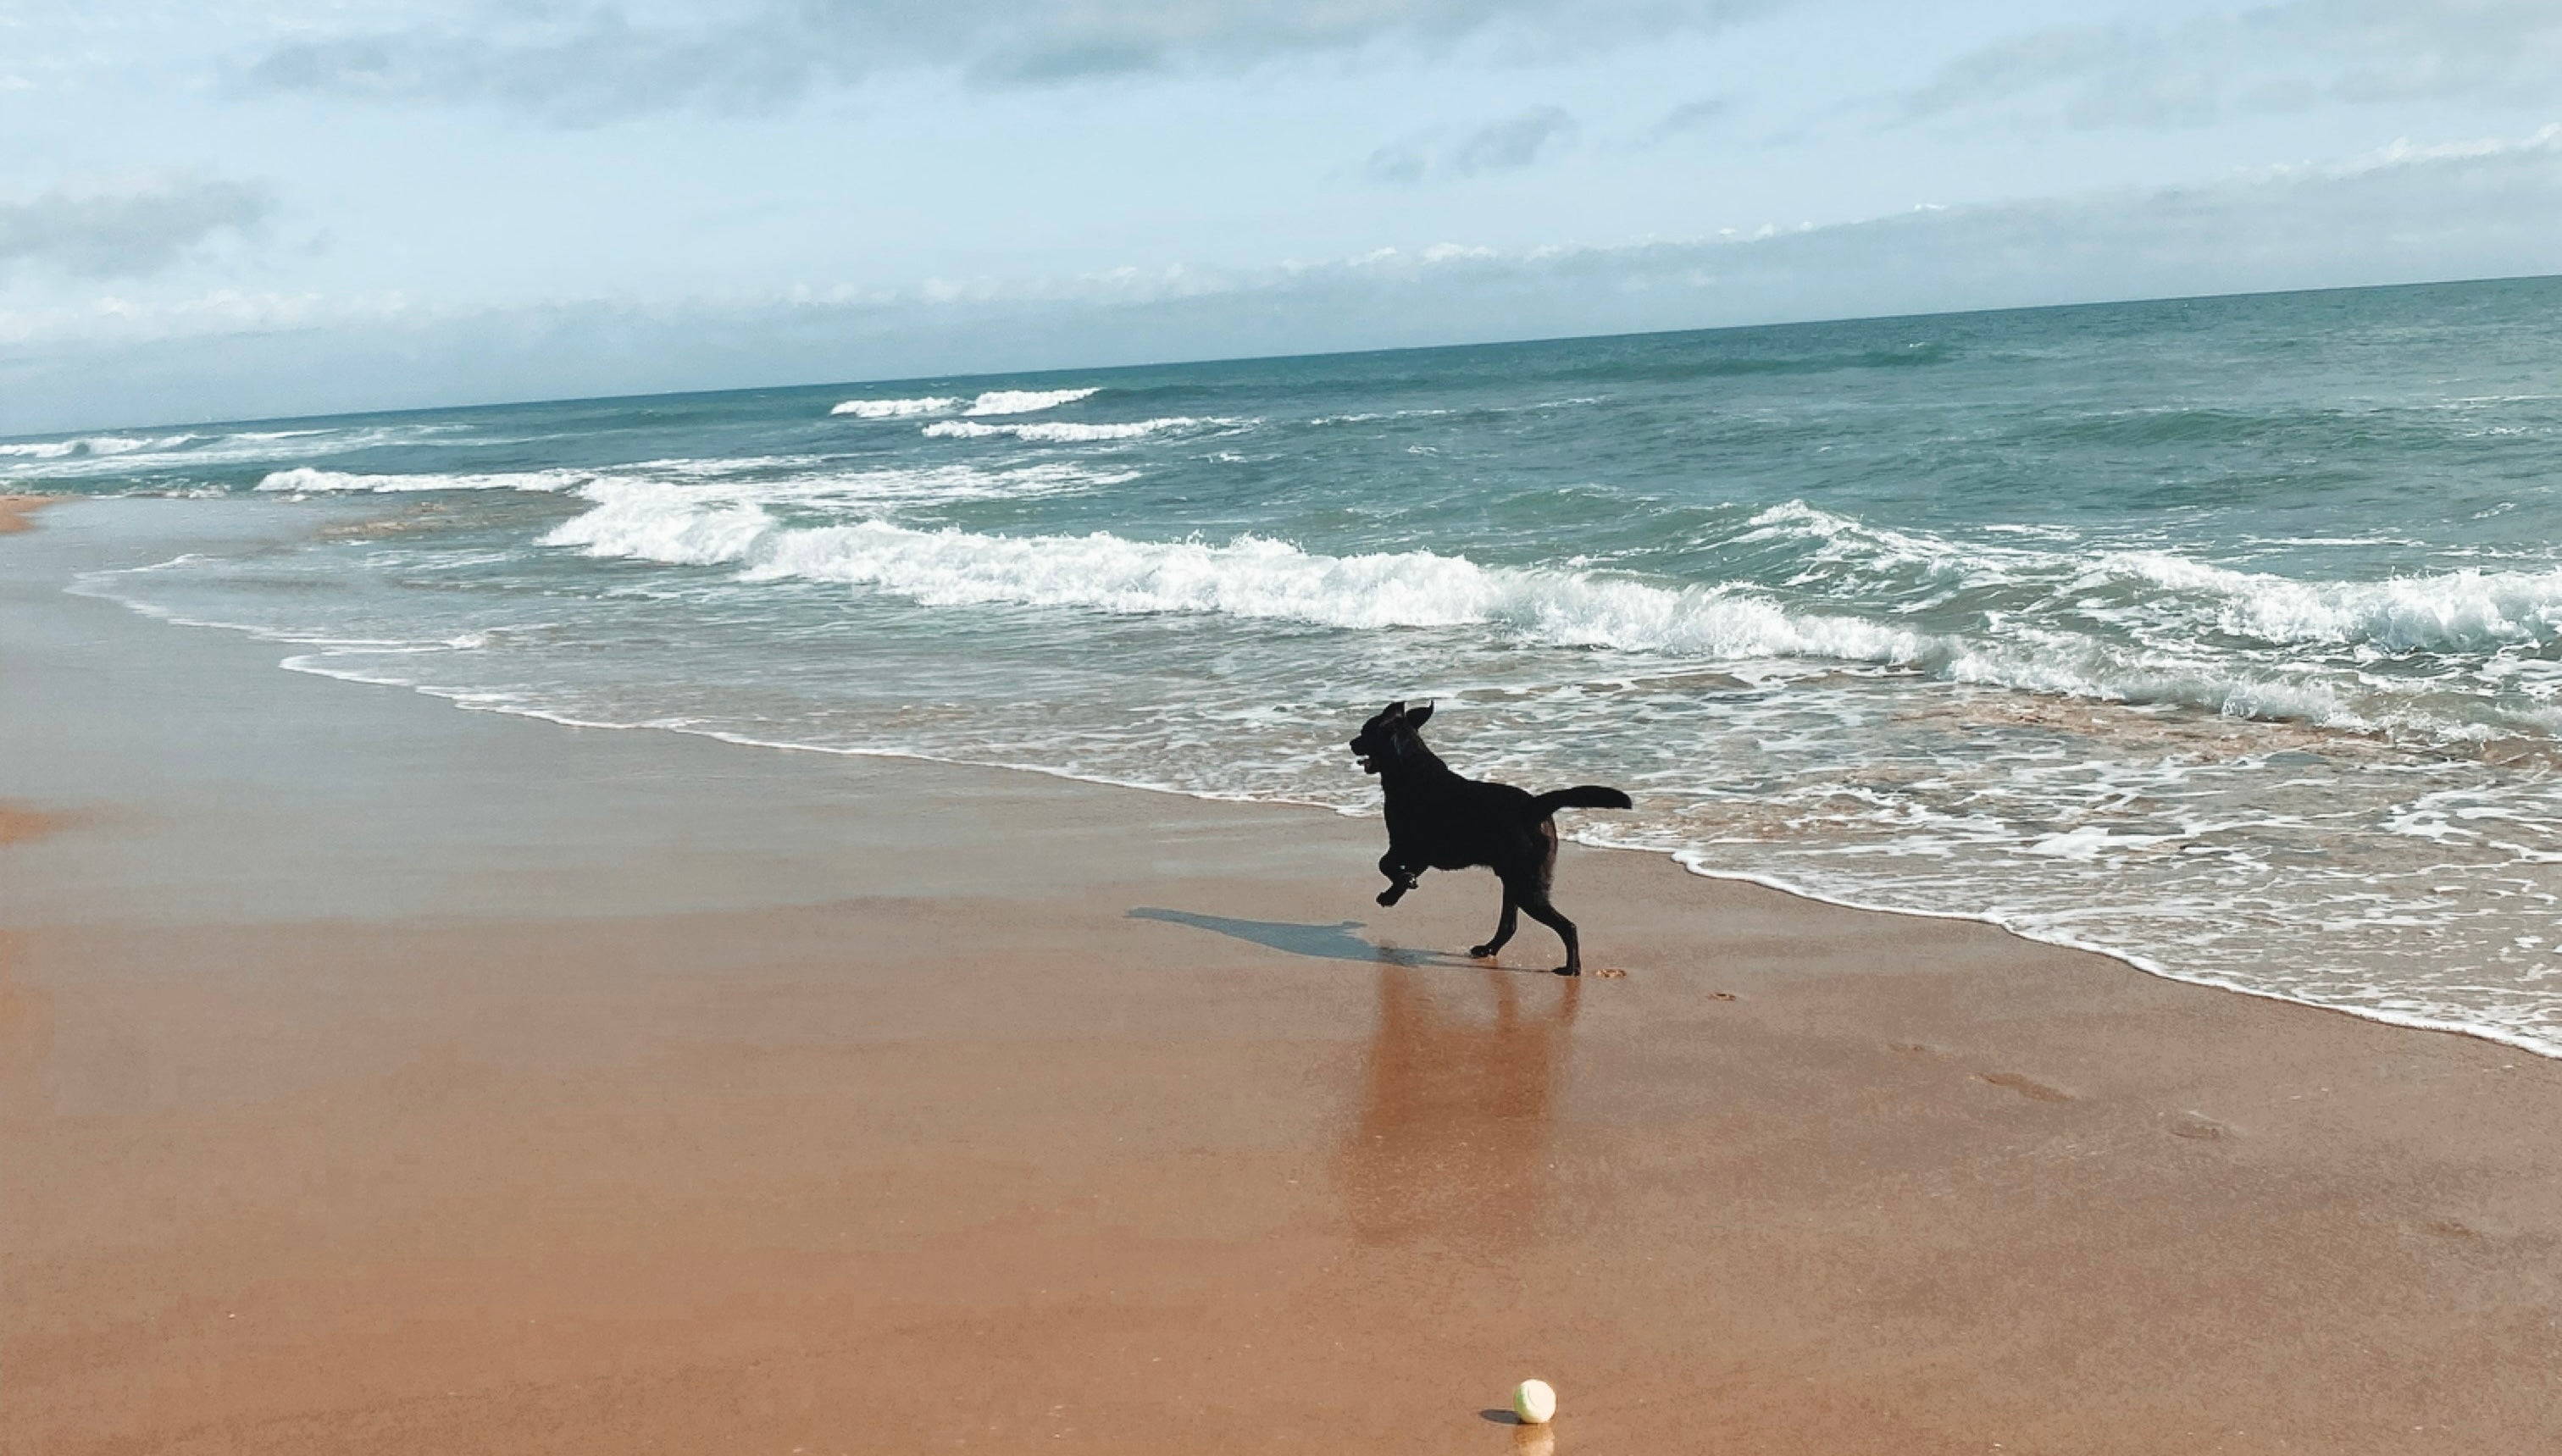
<point x="1416" y="718"/>
<point x="1395" y="709"/>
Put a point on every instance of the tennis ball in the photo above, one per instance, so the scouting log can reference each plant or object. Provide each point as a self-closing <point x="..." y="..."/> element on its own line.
<point x="1534" y="1402"/>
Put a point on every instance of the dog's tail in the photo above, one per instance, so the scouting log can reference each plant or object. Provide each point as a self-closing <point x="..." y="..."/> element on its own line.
<point x="1586" y="796"/>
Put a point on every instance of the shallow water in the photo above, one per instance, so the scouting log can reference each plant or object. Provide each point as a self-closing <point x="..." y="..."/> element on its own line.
<point x="2225" y="634"/>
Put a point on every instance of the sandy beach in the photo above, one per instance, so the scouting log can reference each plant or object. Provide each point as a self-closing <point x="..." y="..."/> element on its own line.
<point x="378" y="1076"/>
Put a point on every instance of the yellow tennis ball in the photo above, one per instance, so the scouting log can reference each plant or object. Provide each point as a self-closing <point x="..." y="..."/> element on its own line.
<point x="1534" y="1402"/>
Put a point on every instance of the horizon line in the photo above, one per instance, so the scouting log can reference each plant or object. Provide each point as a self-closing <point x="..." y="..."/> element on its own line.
<point x="534" y="402"/>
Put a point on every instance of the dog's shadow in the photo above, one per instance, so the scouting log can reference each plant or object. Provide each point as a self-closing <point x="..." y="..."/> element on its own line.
<point x="1316" y="942"/>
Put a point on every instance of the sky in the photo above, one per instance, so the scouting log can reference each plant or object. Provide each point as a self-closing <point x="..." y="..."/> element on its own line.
<point x="254" y="208"/>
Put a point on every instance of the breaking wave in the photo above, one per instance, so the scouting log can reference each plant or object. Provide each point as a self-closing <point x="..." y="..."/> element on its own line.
<point x="639" y="495"/>
<point x="1066" y="431"/>
<point x="1026" y="401"/>
<point x="1250" y="576"/>
<point x="311" y="481"/>
<point x="2461" y="610"/>
<point x="991" y="402"/>
<point x="1257" y="577"/>
<point x="2458" y="611"/>
<point x="896" y="409"/>
<point x="92" y="446"/>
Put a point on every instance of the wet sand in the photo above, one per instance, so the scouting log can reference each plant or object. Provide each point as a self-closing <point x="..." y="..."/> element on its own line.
<point x="15" y="511"/>
<point x="16" y="824"/>
<point x="377" y="1076"/>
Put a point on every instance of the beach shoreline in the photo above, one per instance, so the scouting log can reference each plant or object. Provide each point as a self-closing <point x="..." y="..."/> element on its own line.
<point x="382" y="1074"/>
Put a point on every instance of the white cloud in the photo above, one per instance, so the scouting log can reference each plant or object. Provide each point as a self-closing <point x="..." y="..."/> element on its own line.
<point x="127" y="225"/>
<point x="2404" y="153"/>
<point x="1692" y="117"/>
<point x="592" y="66"/>
<point x="2285" y="57"/>
<point x="1503" y="145"/>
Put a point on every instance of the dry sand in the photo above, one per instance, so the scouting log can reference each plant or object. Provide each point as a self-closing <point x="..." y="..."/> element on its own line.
<point x="380" y="1078"/>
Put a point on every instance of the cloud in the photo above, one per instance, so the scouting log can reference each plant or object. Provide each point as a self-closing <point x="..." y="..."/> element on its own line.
<point x="598" y="66"/>
<point x="2485" y="208"/>
<point x="1504" y="145"/>
<point x="599" y="69"/>
<point x="2292" y="55"/>
<point x="1515" y="141"/>
<point x="1691" y="116"/>
<point x="127" y="227"/>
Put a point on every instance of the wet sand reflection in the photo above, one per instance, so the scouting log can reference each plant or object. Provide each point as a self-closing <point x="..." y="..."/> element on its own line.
<point x="26" y="1033"/>
<point x="1459" y="1089"/>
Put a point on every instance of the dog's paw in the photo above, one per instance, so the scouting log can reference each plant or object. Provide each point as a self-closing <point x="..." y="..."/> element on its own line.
<point x="1566" y="971"/>
<point x="1481" y="953"/>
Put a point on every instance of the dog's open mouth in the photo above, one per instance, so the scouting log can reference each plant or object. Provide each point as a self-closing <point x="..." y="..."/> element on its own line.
<point x="1368" y="764"/>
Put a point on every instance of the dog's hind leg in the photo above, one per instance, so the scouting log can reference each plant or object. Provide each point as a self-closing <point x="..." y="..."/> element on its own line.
<point x="1534" y="903"/>
<point x="1502" y="929"/>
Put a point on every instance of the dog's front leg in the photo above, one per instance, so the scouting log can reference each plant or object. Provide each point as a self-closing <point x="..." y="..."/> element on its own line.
<point x="1399" y="878"/>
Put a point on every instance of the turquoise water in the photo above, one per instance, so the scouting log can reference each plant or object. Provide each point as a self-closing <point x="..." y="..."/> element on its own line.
<point x="2225" y="634"/>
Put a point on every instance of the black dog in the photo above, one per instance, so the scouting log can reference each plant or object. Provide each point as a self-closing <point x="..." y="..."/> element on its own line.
<point x="1437" y="819"/>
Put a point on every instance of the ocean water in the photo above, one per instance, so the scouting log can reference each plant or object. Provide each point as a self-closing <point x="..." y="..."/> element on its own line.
<point x="2224" y="635"/>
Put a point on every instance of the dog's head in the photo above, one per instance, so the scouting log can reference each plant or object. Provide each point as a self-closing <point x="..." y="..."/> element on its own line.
<point x="1387" y="737"/>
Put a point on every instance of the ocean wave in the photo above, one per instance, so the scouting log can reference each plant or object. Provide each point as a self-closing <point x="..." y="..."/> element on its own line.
<point x="2471" y="610"/>
<point x="135" y="456"/>
<point x="680" y="486"/>
<point x="896" y="409"/>
<point x="1026" y="401"/>
<point x="991" y="402"/>
<point x="1249" y="577"/>
<point x="2070" y="666"/>
<point x="664" y="522"/>
<point x="721" y="468"/>
<point x="311" y="481"/>
<point x="1844" y="541"/>
<point x="92" y="447"/>
<point x="1063" y="432"/>
<point x="2467" y="610"/>
<point x="1662" y="366"/>
<point x="1367" y="416"/>
<point x="1254" y="576"/>
<point x="928" y="485"/>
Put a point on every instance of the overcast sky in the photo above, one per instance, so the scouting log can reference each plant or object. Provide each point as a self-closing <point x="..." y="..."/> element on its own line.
<point x="262" y="207"/>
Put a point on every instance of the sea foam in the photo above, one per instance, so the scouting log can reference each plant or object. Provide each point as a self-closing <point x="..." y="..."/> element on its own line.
<point x="1026" y="401"/>
<point x="2464" y="609"/>
<point x="990" y="402"/>
<point x="93" y="446"/>
<point x="1257" y="577"/>
<point x="896" y="409"/>
<point x="310" y="480"/>
<point x="1066" y="431"/>
<point x="1249" y="577"/>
